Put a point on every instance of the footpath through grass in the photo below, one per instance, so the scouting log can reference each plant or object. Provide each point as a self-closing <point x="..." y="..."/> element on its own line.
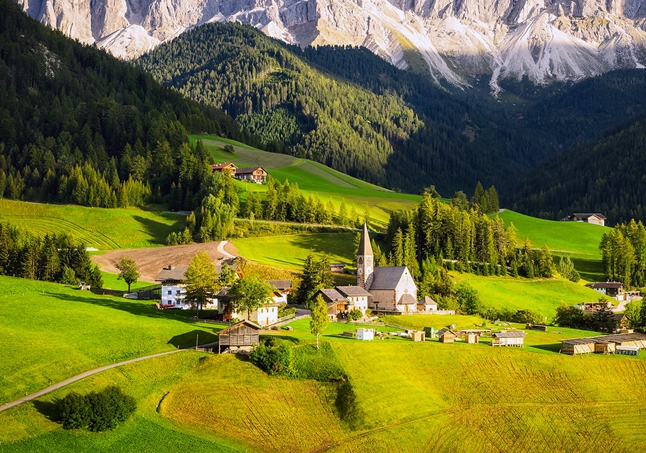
<point x="104" y="229"/>
<point x="51" y="332"/>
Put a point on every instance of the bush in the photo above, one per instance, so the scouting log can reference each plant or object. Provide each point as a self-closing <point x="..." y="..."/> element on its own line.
<point x="96" y="412"/>
<point x="272" y="358"/>
<point x="354" y="315"/>
<point x="286" y="312"/>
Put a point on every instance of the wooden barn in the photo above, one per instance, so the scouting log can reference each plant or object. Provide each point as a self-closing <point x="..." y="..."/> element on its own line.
<point x="241" y="336"/>
<point x="446" y="336"/>
<point x="514" y="338"/>
<point x="607" y="344"/>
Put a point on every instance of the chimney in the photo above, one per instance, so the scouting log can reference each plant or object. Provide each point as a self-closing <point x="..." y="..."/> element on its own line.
<point x="170" y="267"/>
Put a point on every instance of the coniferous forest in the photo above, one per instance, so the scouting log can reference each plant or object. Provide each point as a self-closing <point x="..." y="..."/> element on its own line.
<point x="79" y="126"/>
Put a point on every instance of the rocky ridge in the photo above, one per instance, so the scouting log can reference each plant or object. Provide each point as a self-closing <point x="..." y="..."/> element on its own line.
<point x="546" y="40"/>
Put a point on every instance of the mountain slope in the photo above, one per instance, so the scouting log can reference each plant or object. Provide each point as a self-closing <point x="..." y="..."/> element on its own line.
<point x="371" y="134"/>
<point x="79" y="126"/>
<point x="602" y="176"/>
<point x="454" y="40"/>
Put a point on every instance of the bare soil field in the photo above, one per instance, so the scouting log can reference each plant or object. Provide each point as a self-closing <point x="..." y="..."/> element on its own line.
<point x="150" y="261"/>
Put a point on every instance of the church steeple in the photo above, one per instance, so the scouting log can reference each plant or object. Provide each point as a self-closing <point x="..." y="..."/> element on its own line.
<point x="365" y="260"/>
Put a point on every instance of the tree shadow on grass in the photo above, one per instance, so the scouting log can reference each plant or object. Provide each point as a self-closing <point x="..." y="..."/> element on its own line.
<point x="49" y="409"/>
<point x="158" y="230"/>
<point x="319" y="243"/>
<point x="189" y="339"/>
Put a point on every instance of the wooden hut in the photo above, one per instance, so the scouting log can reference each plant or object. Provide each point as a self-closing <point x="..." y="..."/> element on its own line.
<point x="575" y="346"/>
<point x="471" y="338"/>
<point x="418" y="335"/>
<point x="514" y="338"/>
<point x="446" y="336"/>
<point x="607" y="344"/>
<point x="240" y="336"/>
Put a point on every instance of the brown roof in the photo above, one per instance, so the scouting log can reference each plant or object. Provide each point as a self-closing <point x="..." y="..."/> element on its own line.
<point x="427" y="301"/>
<point x="223" y="166"/>
<point x="172" y="274"/>
<point x="586" y="215"/>
<point x="407" y="299"/>
<point x="617" y="338"/>
<point x="515" y="334"/>
<point x="605" y="285"/>
<point x="280" y="284"/>
<point x="240" y="324"/>
<point x="332" y="295"/>
<point x="353" y="291"/>
<point x="445" y="331"/>
<point x="248" y="171"/>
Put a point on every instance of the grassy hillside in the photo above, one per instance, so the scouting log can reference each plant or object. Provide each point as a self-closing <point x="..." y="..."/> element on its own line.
<point x="313" y="178"/>
<point x="57" y="332"/>
<point x="407" y="397"/>
<point x="104" y="229"/>
<point x="541" y="296"/>
<point x="579" y="241"/>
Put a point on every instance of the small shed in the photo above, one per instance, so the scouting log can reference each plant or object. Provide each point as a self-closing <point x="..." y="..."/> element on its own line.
<point x="605" y="347"/>
<point x="472" y="338"/>
<point x="418" y="335"/>
<point x="241" y="336"/>
<point x="513" y="338"/>
<point x="539" y="327"/>
<point x="446" y="336"/>
<point x="365" y="334"/>
<point x="337" y="267"/>
<point x="576" y="346"/>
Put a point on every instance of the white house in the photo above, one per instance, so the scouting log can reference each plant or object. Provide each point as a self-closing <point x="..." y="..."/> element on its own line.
<point x="263" y="316"/>
<point x="173" y="287"/>
<point x="342" y="299"/>
<point x="593" y="218"/>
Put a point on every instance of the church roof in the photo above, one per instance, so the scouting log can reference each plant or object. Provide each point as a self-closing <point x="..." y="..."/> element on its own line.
<point x="364" y="244"/>
<point x="407" y="299"/>
<point x="387" y="277"/>
<point x="427" y="301"/>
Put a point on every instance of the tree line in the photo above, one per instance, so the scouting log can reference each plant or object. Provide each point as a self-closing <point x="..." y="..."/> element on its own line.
<point x="53" y="258"/>
<point x="79" y="126"/>
<point x="623" y="253"/>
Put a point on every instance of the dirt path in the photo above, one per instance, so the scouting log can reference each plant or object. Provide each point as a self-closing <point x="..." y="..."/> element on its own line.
<point x="150" y="261"/>
<point x="71" y="380"/>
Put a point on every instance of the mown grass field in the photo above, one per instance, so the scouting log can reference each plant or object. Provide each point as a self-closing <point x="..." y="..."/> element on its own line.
<point x="406" y="397"/>
<point x="290" y="251"/>
<point x="542" y="296"/>
<point x="313" y="178"/>
<point x="51" y="332"/>
<point x="104" y="229"/>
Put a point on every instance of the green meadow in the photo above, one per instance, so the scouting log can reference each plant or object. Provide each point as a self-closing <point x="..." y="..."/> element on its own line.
<point x="541" y="295"/>
<point x="104" y="229"/>
<point x="51" y="332"/>
<point x="400" y="396"/>
<point x="313" y="178"/>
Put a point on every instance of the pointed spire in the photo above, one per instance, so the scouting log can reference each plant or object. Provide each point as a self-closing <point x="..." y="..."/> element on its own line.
<point x="364" y="245"/>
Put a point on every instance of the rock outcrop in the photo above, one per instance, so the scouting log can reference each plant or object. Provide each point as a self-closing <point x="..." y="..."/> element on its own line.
<point x="546" y="40"/>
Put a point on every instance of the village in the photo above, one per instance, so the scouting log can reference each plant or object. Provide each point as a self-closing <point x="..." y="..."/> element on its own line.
<point x="385" y="290"/>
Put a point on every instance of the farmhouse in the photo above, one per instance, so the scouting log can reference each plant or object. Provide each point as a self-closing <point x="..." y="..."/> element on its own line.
<point x="338" y="268"/>
<point x="225" y="168"/>
<point x="256" y="174"/>
<point x="241" y="336"/>
<point x="342" y="299"/>
<point x="514" y="338"/>
<point x="588" y="217"/>
<point x="392" y="288"/>
<point x="604" y="344"/>
<point x="282" y="288"/>
<point x="173" y="286"/>
<point x="610" y="289"/>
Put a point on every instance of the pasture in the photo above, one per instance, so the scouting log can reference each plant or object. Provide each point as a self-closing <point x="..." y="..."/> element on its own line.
<point x="51" y="332"/>
<point x="541" y="295"/>
<point x="405" y="397"/>
<point x="104" y="229"/>
<point x="313" y="178"/>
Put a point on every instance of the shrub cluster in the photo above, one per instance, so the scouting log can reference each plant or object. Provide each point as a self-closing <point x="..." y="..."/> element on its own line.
<point x="272" y="358"/>
<point x="96" y="411"/>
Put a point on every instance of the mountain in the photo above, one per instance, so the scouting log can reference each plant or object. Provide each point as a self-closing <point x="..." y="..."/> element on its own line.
<point x="452" y="40"/>
<point x="79" y="126"/>
<point x="392" y="128"/>
<point x="605" y="175"/>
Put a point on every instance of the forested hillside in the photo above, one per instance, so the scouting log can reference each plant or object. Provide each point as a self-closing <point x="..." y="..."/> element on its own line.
<point x="604" y="176"/>
<point x="364" y="127"/>
<point x="79" y="126"/>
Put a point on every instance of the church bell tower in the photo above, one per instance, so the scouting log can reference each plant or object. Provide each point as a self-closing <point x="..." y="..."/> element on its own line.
<point x="365" y="260"/>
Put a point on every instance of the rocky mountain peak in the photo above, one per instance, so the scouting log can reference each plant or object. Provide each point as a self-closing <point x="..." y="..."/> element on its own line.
<point x="546" y="40"/>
